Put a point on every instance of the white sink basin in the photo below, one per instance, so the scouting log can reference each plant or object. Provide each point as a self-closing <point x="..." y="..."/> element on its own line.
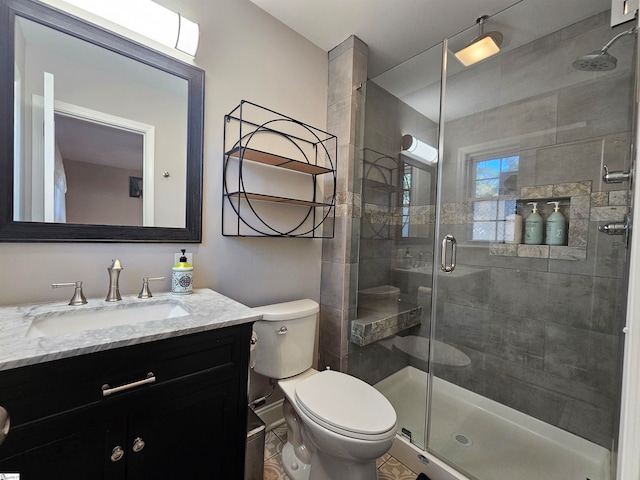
<point x="50" y="325"/>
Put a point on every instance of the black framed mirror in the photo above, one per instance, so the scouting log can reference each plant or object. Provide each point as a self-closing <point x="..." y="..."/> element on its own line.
<point x="101" y="138"/>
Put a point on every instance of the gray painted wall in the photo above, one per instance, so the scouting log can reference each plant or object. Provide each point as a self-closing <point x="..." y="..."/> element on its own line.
<point x="288" y="74"/>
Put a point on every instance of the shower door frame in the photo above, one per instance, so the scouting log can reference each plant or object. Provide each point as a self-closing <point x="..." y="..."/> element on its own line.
<point x="625" y="456"/>
<point x="628" y="465"/>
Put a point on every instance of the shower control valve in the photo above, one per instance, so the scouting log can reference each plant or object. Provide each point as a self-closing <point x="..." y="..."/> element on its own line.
<point x="619" y="228"/>
<point x="615" y="177"/>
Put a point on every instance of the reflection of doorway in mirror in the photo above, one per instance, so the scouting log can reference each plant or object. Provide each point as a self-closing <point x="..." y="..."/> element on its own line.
<point x="99" y="152"/>
<point x="100" y="162"/>
<point x="125" y="147"/>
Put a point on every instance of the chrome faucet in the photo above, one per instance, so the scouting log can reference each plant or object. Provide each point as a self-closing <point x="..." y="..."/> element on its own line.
<point x="145" y="292"/>
<point x="78" y="297"/>
<point x="113" y="295"/>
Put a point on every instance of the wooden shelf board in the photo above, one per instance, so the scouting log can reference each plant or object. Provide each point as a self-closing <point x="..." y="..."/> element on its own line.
<point x="278" y="161"/>
<point x="274" y="199"/>
<point x="376" y="185"/>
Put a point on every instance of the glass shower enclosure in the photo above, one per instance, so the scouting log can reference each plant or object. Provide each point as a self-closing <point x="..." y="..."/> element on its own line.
<point x="501" y="356"/>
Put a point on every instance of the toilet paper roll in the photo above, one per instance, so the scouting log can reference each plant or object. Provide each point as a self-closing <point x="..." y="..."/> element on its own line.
<point x="254" y="341"/>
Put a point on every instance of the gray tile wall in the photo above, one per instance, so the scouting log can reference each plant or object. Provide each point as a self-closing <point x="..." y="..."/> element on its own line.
<point x="543" y="334"/>
<point x="347" y="70"/>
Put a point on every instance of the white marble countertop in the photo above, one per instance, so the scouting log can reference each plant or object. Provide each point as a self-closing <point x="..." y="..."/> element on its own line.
<point x="207" y="309"/>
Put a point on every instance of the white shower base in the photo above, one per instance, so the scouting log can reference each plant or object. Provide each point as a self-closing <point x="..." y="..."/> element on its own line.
<point x="484" y="438"/>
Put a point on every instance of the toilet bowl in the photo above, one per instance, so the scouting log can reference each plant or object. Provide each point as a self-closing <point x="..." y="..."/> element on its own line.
<point x="337" y="425"/>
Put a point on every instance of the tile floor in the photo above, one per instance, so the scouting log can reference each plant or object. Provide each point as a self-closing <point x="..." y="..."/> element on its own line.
<point x="388" y="467"/>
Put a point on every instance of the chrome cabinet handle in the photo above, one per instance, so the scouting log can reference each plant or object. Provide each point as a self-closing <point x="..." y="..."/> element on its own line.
<point x="117" y="453"/>
<point x="448" y="268"/>
<point x="5" y="423"/>
<point x="138" y="445"/>
<point x="107" y="390"/>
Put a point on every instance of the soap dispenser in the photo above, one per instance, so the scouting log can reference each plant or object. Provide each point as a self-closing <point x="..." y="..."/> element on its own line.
<point x="556" y="226"/>
<point x="533" y="226"/>
<point x="181" y="276"/>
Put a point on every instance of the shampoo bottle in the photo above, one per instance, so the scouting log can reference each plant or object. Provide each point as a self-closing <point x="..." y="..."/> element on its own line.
<point x="181" y="276"/>
<point x="556" y="226"/>
<point x="533" y="227"/>
<point x="513" y="228"/>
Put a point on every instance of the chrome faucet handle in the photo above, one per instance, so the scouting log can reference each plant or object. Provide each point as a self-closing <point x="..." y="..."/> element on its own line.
<point x="145" y="292"/>
<point x="78" y="296"/>
<point x="615" y="177"/>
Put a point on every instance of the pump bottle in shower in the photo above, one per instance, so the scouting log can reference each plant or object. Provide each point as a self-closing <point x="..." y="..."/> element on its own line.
<point x="533" y="226"/>
<point x="556" y="230"/>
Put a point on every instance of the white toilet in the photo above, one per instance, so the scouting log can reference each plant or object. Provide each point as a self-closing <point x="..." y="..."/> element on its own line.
<point x="337" y="425"/>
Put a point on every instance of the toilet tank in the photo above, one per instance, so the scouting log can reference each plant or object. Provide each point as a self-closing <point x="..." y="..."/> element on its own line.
<point x="285" y="338"/>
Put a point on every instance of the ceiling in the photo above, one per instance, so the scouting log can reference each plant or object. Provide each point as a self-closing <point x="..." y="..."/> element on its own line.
<point x="394" y="30"/>
<point x="91" y="142"/>
<point x="400" y="34"/>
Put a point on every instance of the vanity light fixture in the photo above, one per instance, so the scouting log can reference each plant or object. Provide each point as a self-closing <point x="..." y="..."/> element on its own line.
<point x="483" y="46"/>
<point x="149" y="19"/>
<point x="418" y="150"/>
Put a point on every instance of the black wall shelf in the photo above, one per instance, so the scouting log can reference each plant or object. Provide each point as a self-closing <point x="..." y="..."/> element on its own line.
<point x="268" y="154"/>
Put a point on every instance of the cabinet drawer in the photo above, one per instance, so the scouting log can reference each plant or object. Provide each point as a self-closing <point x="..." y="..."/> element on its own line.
<point x="36" y="391"/>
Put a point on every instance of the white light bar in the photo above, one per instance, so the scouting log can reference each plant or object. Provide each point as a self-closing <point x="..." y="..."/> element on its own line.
<point x="419" y="150"/>
<point x="149" y="19"/>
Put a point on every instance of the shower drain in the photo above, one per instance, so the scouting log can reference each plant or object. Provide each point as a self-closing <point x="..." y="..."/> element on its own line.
<point x="461" y="439"/>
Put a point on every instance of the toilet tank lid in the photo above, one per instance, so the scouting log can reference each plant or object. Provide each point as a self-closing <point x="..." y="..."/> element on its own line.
<point x="288" y="310"/>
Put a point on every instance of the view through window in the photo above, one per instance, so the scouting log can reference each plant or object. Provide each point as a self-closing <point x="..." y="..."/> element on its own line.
<point x="494" y="179"/>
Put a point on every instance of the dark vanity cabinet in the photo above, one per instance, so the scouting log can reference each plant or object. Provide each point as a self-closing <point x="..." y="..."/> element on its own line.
<point x="181" y="411"/>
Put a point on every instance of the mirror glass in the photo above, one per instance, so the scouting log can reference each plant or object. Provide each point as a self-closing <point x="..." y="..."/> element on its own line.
<point x="106" y="136"/>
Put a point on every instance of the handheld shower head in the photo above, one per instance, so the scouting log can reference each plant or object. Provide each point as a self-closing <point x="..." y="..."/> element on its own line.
<point x="601" y="60"/>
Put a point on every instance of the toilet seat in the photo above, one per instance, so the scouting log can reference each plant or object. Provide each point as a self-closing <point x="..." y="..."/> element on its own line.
<point x="346" y="405"/>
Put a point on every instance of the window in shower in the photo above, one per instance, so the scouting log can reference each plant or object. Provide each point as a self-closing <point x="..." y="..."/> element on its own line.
<point x="495" y="176"/>
<point x="493" y="179"/>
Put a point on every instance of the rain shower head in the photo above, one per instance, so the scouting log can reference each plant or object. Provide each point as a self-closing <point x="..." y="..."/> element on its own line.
<point x="596" y="61"/>
<point x="601" y="60"/>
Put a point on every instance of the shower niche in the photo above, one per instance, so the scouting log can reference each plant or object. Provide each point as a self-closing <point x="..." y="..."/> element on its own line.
<point x="579" y="205"/>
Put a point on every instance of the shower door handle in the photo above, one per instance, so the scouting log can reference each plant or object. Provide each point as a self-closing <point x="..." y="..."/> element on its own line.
<point x="444" y="266"/>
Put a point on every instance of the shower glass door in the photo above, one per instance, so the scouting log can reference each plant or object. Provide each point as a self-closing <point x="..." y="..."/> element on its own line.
<point x="389" y="336"/>
<point x="524" y="378"/>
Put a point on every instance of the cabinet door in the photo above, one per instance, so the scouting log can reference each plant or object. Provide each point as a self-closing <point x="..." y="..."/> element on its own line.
<point x="188" y="430"/>
<point x="66" y="446"/>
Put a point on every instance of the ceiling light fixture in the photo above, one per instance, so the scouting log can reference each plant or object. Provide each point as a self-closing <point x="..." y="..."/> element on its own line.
<point x="149" y="19"/>
<point x="483" y="46"/>
<point x="418" y="150"/>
